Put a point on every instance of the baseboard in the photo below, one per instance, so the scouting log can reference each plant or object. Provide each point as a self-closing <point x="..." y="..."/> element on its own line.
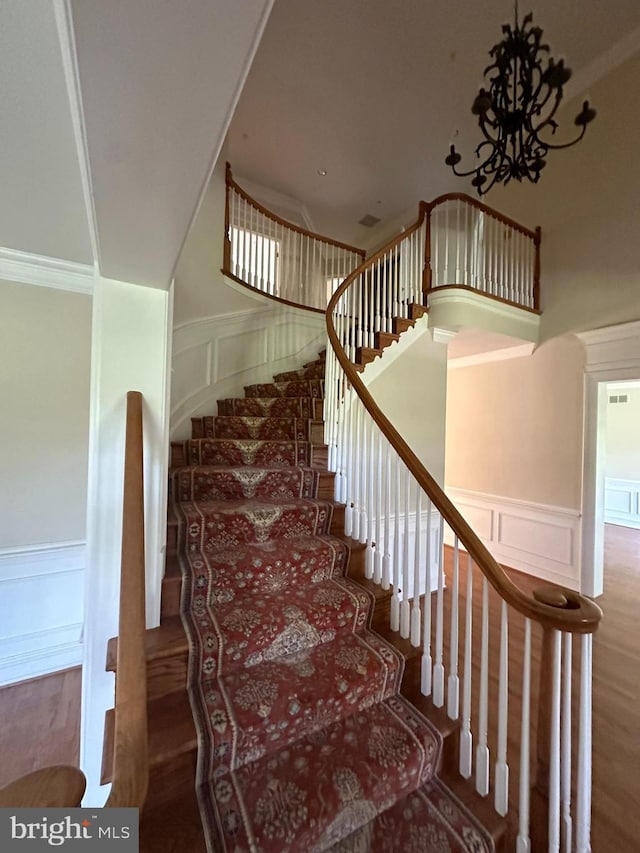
<point x="622" y="502"/>
<point x="539" y="539"/>
<point x="40" y="653"/>
<point x="41" y="609"/>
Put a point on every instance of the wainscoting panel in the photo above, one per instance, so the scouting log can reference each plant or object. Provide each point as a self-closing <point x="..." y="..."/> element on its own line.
<point x="622" y="502"/>
<point x="539" y="539"/>
<point x="41" y="609"/>
<point x="215" y="357"/>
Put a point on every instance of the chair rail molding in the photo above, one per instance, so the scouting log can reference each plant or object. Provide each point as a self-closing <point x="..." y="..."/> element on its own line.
<point x="37" y="640"/>
<point x="540" y="539"/>
<point x="612" y="354"/>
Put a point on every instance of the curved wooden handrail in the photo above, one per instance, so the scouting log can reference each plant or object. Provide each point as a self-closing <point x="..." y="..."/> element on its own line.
<point x="571" y="611"/>
<point x="130" y="754"/>
<point x="271" y="296"/>
<point x="290" y="225"/>
<point x="528" y="232"/>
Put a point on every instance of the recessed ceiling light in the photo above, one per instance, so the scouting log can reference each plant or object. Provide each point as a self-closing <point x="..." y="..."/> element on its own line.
<point x="322" y="172"/>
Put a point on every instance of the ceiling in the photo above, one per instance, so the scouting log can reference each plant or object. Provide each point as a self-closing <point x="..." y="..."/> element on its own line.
<point x="373" y="91"/>
<point x="113" y="114"/>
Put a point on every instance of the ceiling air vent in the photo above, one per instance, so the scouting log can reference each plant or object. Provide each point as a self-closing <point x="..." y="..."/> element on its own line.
<point x="619" y="398"/>
<point x="369" y="220"/>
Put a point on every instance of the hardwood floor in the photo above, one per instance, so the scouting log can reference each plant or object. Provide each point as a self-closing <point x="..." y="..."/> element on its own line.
<point x="39" y="723"/>
<point x="39" y="719"/>
<point x="616" y="690"/>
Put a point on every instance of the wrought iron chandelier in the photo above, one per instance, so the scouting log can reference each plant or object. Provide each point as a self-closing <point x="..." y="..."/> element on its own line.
<point x="518" y="109"/>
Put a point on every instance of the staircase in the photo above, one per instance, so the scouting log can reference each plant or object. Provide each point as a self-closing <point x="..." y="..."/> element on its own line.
<point x="308" y="738"/>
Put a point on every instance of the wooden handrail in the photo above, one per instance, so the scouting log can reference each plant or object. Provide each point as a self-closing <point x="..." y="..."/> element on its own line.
<point x="485" y="209"/>
<point x="275" y="218"/>
<point x="569" y="611"/>
<point x="130" y="752"/>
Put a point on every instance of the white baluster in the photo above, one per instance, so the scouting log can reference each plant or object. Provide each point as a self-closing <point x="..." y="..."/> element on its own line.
<point x="355" y="467"/>
<point x="453" y="682"/>
<point x="583" y="809"/>
<point x="349" y="427"/>
<point x="387" y="517"/>
<point x="566" y="828"/>
<point x="458" y="242"/>
<point x="405" y="617"/>
<point x="554" y="747"/>
<point x="435" y="245"/>
<point x="438" y="669"/>
<point x="482" y="750"/>
<point x="523" y="843"/>
<point x="415" y="606"/>
<point x="426" y="671"/>
<point x="466" y="738"/>
<point x="394" y="621"/>
<point x="378" y="289"/>
<point x="377" y="566"/>
<point x="362" y="470"/>
<point x="502" y="768"/>
<point x="370" y="554"/>
<point x="446" y="244"/>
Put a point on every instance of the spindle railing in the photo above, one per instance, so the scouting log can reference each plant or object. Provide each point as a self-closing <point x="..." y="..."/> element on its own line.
<point x="475" y="247"/>
<point x="278" y="258"/>
<point x="442" y="579"/>
<point x="396" y="507"/>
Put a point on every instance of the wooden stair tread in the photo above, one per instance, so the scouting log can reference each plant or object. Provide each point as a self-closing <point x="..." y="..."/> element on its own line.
<point x="173" y="827"/>
<point x="162" y="642"/>
<point x="481" y="808"/>
<point x="171" y="731"/>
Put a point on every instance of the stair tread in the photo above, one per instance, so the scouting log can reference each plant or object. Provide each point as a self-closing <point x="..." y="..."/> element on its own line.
<point x="323" y="774"/>
<point x="428" y="819"/>
<point x="171" y="731"/>
<point x="173" y="827"/>
<point x="166" y="640"/>
<point x="355" y="670"/>
<point x="314" y="614"/>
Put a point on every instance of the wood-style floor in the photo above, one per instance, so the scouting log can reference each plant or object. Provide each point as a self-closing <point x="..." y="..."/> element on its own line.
<point x="39" y="724"/>
<point x="39" y="719"/>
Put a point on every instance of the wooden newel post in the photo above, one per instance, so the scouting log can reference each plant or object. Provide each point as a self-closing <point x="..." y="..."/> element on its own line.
<point x="226" y="252"/>
<point x="426" y="271"/>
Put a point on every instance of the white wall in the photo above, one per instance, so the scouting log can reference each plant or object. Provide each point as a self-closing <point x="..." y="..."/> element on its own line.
<point x="514" y="456"/>
<point x="622" y="460"/>
<point x="45" y="340"/>
<point x="131" y="337"/>
<point x="587" y="204"/>
<point x="409" y="383"/>
<point x="623" y="432"/>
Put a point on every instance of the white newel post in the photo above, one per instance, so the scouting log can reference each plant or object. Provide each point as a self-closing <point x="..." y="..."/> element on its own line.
<point x="130" y="351"/>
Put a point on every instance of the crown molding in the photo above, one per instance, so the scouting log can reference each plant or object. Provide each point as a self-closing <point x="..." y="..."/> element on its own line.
<point x="280" y="203"/>
<point x="46" y="272"/>
<point x="66" y="37"/>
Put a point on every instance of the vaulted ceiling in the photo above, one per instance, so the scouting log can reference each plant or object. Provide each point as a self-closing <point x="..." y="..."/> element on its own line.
<point x="372" y="92"/>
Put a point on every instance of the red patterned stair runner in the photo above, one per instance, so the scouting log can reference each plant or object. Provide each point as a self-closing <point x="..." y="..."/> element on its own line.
<point x="304" y="741"/>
